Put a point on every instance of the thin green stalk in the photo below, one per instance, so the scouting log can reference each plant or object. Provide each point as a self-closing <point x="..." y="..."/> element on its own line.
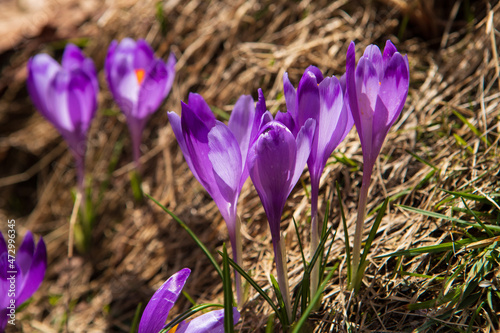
<point x="314" y="235"/>
<point x="228" y="293"/>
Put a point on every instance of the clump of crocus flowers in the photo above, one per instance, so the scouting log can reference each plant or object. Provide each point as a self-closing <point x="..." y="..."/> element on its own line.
<point x="21" y="273"/>
<point x="271" y="150"/>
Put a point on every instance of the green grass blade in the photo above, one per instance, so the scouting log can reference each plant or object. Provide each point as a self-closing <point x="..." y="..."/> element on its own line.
<point x="448" y="218"/>
<point x="137" y="318"/>
<point x="346" y="235"/>
<point x="421" y="160"/>
<point x="191" y="233"/>
<point x="486" y="229"/>
<point x="472" y="128"/>
<point x="269" y="324"/>
<point x="256" y="286"/>
<point x="304" y="262"/>
<point x="469" y="196"/>
<point x="281" y="302"/>
<point x="228" y="292"/>
<point x="297" y="328"/>
<point x="429" y="249"/>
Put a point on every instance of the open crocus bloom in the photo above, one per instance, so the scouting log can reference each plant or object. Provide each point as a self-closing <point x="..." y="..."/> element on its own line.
<point x="276" y="161"/>
<point x="156" y="312"/>
<point x="377" y="89"/>
<point x="26" y="272"/>
<point x="139" y="83"/>
<point x="66" y="95"/>
<point x="217" y="153"/>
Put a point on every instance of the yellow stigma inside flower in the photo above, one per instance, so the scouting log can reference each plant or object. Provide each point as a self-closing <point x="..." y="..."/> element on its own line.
<point x="175" y="327"/>
<point x="140" y="77"/>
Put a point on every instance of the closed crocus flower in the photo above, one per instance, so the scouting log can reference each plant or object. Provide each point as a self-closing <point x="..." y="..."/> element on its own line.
<point x="20" y="275"/>
<point x="321" y="99"/>
<point x="156" y="312"/>
<point x="139" y="82"/>
<point x="66" y="95"/>
<point x="276" y="161"/>
<point x="377" y="88"/>
<point x="217" y="154"/>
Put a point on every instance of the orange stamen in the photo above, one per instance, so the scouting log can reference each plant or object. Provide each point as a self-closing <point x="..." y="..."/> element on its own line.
<point x="140" y="75"/>
<point x="173" y="329"/>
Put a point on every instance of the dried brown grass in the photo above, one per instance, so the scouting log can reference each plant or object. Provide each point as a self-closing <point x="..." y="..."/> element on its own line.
<point x="225" y="49"/>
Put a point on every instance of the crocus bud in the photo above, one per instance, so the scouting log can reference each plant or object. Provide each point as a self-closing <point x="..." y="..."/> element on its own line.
<point x="26" y="273"/>
<point x="139" y="82"/>
<point x="66" y="95"/>
<point x="377" y="89"/>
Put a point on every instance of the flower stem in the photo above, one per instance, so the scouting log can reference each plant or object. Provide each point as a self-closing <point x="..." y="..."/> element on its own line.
<point x="356" y="251"/>
<point x="314" y="235"/>
<point x="282" y="271"/>
<point x="237" y="248"/>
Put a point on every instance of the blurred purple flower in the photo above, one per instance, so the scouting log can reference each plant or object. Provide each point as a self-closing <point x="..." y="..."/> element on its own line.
<point x="156" y="312"/>
<point x="26" y="271"/>
<point x="377" y="88"/>
<point x="275" y="161"/>
<point x="217" y="153"/>
<point x="139" y="83"/>
<point x="66" y="96"/>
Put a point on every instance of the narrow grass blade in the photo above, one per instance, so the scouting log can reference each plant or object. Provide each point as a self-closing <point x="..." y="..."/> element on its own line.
<point x="472" y="128"/>
<point x="281" y="302"/>
<point x="421" y="160"/>
<point x="269" y="324"/>
<point x="469" y="196"/>
<point x="448" y="218"/>
<point x="304" y="262"/>
<point x="228" y="292"/>
<point x="137" y="318"/>
<point x="256" y="286"/>
<point x="183" y="316"/>
<point x="191" y="233"/>
<point x="346" y="236"/>
<point x="297" y="328"/>
<point x="429" y="249"/>
<point x="486" y="229"/>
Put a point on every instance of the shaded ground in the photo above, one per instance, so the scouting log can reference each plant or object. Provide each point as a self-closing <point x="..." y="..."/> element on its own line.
<point x="225" y="49"/>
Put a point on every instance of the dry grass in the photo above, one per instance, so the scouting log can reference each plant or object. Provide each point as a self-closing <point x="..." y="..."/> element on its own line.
<point x="225" y="49"/>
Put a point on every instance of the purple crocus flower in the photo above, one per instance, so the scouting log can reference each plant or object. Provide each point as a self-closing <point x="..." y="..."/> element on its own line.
<point x="156" y="312"/>
<point x="217" y="155"/>
<point x="21" y="275"/>
<point x="321" y="99"/>
<point x="139" y="83"/>
<point x="276" y="161"/>
<point x="377" y="88"/>
<point x="66" y="96"/>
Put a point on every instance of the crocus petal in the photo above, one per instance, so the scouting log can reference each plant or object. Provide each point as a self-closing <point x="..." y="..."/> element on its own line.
<point x="152" y="90"/>
<point x="41" y="71"/>
<point x="211" y="322"/>
<point x="287" y="119"/>
<point x="36" y="273"/>
<point x="57" y="101"/>
<point x="175" y="122"/>
<point x="394" y="87"/>
<point x="317" y="73"/>
<point x="271" y="165"/>
<point x="156" y="312"/>
<point x="290" y="96"/>
<point x="241" y="122"/>
<point x="303" y="144"/>
<point x="143" y="55"/>
<point x="3" y="319"/>
<point x="82" y="99"/>
<point x="389" y="51"/>
<point x="308" y="99"/>
<point x="25" y="254"/>
<point x="72" y="58"/>
<point x="373" y="55"/>
<point x="225" y="156"/>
